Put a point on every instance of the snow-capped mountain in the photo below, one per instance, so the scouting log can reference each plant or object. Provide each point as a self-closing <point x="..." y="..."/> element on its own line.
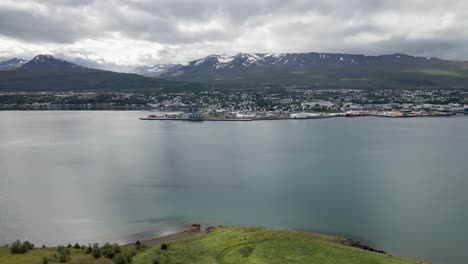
<point x="154" y="70"/>
<point x="317" y="69"/>
<point x="48" y="63"/>
<point x="298" y="60"/>
<point x="46" y="73"/>
<point x="11" y="64"/>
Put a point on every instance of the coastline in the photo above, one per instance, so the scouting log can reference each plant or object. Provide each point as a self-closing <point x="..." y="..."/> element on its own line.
<point x="378" y="115"/>
<point x="189" y="232"/>
<point x="218" y="244"/>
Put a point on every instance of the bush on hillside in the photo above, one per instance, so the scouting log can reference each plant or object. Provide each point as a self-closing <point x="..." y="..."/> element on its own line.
<point x="21" y="248"/>
<point x="121" y="259"/>
<point x="45" y="260"/>
<point x="89" y="249"/>
<point x="63" y="254"/>
<point x="110" y="250"/>
<point x="96" y="251"/>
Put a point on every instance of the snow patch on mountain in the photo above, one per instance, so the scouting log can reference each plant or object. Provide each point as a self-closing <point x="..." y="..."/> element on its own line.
<point x="11" y="64"/>
<point x="154" y="70"/>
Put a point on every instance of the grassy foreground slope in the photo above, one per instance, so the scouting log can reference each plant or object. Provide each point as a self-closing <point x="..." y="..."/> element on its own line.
<point x="260" y="245"/>
<point x="78" y="256"/>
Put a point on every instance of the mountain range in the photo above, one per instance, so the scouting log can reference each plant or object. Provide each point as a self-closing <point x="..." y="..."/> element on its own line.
<point x="46" y="73"/>
<point x="242" y="71"/>
<point x="11" y="64"/>
<point x="323" y="70"/>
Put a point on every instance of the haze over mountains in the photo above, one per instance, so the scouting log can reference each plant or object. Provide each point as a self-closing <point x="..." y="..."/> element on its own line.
<point x="244" y="70"/>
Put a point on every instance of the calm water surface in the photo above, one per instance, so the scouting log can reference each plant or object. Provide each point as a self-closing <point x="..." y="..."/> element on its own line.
<point x="397" y="184"/>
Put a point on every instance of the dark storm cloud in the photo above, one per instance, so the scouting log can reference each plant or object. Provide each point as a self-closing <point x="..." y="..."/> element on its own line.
<point x="193" y="28"/>
<point x="41" y="28"/>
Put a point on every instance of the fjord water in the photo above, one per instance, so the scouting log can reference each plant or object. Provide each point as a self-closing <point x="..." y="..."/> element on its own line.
<point x="397" y="184"/>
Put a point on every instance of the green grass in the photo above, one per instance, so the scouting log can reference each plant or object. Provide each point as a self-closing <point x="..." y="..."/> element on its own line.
<point x="35" y="256"/>
<point x="260" y="245"/>
<point x="437" y="72"/>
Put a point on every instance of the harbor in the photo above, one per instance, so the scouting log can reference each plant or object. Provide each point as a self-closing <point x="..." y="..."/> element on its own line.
<point x="246" y="117"/>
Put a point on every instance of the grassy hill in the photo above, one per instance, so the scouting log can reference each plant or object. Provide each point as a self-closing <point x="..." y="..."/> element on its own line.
<point x="229" y="245"/>
<point x="36" y="256"/>
<point x="260" y="245"/>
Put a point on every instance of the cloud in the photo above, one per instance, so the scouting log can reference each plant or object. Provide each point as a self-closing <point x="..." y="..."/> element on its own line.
<point x="114" y="33"/>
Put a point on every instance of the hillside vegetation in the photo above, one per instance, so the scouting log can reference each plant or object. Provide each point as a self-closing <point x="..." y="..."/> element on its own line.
<point x="260" y="245"/>
<point x="221" y="245"/>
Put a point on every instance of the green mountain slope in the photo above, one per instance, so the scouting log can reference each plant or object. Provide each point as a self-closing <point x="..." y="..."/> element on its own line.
<point x="324" y="70"/>
<point x="45" y="73"/>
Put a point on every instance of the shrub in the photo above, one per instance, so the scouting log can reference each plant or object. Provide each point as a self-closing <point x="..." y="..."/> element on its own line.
<point x="155" y="261"/>
<point x="28" y="246"/>
<point x="21" y="248"/>
<point x="164" y="246"/>
<point x="140" y="247"/>
<point x="96" y="251"/>
<point x="121" y="259"/>
<point x="89" y="249"/>
<point x="76" y="246"/>
<point x="110" y="251"/>
<point x="69" y="245"/>
<point x="16" y="248"/>
<point x="63" y="254"/>
<point x="45" y="260"/>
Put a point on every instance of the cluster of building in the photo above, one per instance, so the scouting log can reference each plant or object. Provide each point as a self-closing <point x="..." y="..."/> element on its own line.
<point x="262" y="104"/>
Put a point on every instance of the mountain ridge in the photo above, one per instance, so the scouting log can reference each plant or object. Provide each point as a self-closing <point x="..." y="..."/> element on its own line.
<point x="329" y="70"/>
<point x="11" y="64"/>
<point x="47" y="73"/>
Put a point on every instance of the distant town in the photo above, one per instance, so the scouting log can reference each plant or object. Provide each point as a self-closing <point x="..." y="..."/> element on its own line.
<point x="264" y="104"/>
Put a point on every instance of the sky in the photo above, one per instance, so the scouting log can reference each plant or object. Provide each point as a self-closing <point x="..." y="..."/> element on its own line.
<point x="120" y="34"/>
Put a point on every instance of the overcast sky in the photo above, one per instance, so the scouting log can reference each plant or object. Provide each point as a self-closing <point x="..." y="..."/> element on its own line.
<point x="134" y="32"/>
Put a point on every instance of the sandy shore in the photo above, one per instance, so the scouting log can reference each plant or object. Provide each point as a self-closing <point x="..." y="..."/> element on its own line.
<point x="190" y="232"/>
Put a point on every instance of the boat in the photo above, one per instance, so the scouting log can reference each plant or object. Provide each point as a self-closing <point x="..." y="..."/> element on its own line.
<point x="466" y="110"/>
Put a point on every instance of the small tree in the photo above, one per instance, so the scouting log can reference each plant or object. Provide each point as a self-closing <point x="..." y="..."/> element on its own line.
<point x="96" y="251"/>
<point x="28" y="246"/>
<point x="76" y="246"/>
<point x="20" y="248"/>
<point x="63" y="254"/>
<point x="164" y="246"/>
<point x="89" y="249"/>
<point x="45" y="260"/>
<point x="120" y="259"/>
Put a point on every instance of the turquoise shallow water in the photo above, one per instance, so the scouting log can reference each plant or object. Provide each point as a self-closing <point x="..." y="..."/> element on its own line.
<point x="397" y="184"/>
